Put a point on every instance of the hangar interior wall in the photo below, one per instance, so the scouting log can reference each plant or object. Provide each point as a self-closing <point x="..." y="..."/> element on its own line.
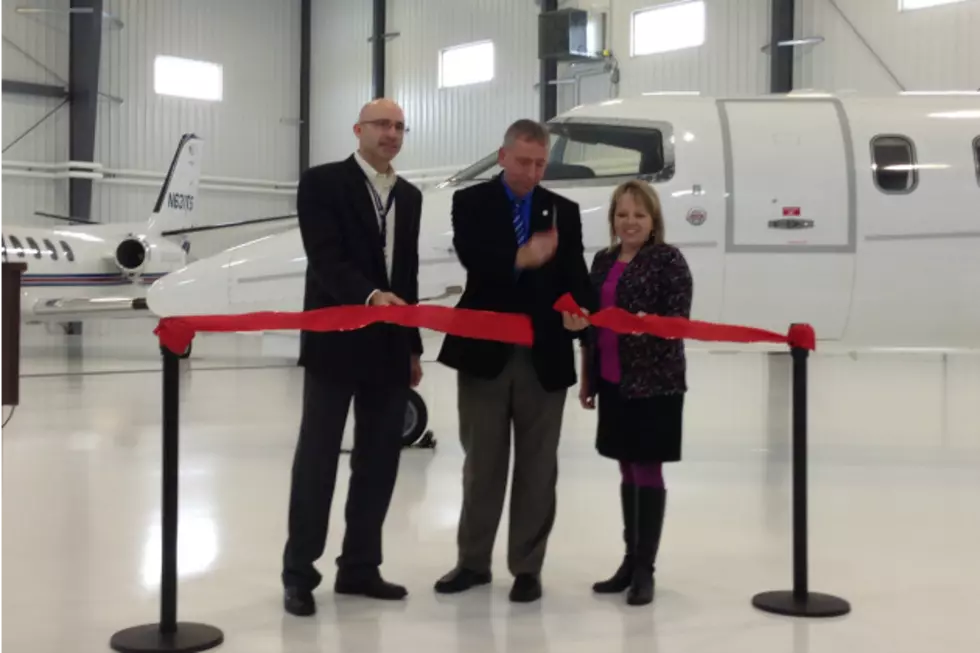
<point x="448" y="126"/>
<point x="452" y="127"/>
<point x="251" y="133"/>
<point x="34" y="52"/>
<point x="930" y="49"/>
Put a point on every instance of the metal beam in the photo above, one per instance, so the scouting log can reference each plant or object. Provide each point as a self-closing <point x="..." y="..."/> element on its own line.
<point x="548" y="76"/>
<point x="305" y="45"/>
<point x="30" y="88"/>
<point x="781" y="57"/>
<point x="378" y="49"/>
<point x="85" y="49"/>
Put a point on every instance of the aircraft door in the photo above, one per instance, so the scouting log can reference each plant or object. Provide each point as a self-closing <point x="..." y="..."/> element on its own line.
<point x="791" y="228"/>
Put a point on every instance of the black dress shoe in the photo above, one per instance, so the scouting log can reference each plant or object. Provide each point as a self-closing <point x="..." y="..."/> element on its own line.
<point x="299" y="602"/>
<point x="526" y="589"/>
<point x="460" y="580"/>
<point x="371" y="587"/>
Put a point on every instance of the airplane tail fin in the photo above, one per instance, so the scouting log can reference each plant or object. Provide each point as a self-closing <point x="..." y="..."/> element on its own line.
<point x="178" y="194"/>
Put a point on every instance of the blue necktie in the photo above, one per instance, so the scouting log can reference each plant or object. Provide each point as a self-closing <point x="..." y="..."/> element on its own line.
<point x="519" y="227"/>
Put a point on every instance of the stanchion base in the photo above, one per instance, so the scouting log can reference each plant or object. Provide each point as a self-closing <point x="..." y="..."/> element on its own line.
<point x="814" y="604"/>
<point x="189" y="638"/>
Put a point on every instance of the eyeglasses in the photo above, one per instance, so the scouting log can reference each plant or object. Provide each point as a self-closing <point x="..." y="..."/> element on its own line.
<point x="385" y="124"/>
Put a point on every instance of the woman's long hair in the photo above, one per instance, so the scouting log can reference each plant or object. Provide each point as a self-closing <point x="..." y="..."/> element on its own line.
<point x="644" y="194"/>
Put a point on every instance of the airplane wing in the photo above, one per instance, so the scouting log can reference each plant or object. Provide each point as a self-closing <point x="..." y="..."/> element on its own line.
<point x="179" y="232"/>
<point x="79" y="308"/>
<point x="226" y="225"/>
<point x="66" y="218"/>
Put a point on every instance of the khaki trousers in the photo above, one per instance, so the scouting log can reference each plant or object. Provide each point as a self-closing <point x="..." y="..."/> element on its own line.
<point x="487" y="410"/>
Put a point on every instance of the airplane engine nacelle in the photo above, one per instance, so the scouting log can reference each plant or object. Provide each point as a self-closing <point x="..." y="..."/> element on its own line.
<point x="131" y="256"/>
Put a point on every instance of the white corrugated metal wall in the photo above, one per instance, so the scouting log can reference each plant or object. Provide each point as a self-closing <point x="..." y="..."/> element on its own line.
<point x="340" y="75"/>
<point x="35" y="49"/>
<point x="447" y="126"/>
<point x="729" y="63"/>
<point x="935" y="48"/>
<point x="252" y="133"/>
<point x="455" y="126"/>
<point x="461" y="124"/>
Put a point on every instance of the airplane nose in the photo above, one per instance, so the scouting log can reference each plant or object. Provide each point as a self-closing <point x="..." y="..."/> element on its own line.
<point x="200" y="288"/>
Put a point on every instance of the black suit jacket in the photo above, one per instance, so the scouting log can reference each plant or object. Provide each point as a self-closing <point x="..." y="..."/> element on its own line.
<point x="485" y="242"/>
<point x="345" y="263"/>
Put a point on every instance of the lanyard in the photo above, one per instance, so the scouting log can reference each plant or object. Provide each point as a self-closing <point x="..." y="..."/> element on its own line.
<point x="382" y="210"/>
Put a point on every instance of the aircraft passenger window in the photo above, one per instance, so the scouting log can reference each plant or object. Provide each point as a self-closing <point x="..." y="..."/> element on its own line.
<point x="34" y="248"/>
<point x="68" y="253"/>
<point x="50" y="250"/>
<point x="15" y="241"/>
<point x="976" y="156"/>
<point x="894" y="164"/>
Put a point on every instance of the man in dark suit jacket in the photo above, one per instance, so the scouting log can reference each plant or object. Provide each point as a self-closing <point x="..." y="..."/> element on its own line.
<point x="522" y="249"/>
<point x="360" y="229"/>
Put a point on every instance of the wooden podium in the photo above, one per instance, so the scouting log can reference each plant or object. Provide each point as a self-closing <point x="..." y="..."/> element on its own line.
<point x="11" y="332"/>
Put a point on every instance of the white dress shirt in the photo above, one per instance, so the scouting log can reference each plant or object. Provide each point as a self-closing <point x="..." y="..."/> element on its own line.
<point x="383" y="184"/>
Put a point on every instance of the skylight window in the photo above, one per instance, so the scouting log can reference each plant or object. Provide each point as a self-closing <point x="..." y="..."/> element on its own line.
<point x="188" y="78"/>
<point x="461" y="65"/>
<point x="669" y="27"/>
<point x="909" y="5"/>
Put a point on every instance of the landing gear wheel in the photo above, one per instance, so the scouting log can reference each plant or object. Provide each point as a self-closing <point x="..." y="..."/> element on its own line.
<point x="416" y="419"/>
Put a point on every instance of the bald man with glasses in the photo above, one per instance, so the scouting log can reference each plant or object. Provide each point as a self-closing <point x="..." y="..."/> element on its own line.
<point x="360" y="227"/>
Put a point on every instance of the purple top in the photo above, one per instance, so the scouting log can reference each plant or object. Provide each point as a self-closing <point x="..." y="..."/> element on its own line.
<point x="608" y="341"/>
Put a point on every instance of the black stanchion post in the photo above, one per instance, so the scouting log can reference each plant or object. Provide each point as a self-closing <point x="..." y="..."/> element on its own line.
<point x="800" y="601"/>
<point x="169" y="635"/>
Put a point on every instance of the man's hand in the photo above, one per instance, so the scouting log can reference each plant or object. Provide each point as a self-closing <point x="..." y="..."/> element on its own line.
<point x="381" y="298"/>
<point x="538" y="250"/>
<point x="587" y="400"/>
<point x="416" y="371"/>
<point x="574" y="322"/>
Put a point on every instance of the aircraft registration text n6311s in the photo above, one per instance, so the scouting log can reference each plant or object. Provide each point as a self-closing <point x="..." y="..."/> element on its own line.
<point x="857" y="215"/>
<point x="180" y="201"/>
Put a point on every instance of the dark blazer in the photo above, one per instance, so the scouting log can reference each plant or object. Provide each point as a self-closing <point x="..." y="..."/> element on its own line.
<point x="345" y="263"/>
<point x="657" y="282"/>
<point x="485" y="242"/>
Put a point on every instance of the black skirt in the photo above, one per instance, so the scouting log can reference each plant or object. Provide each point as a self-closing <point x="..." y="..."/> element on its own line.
<point x="639" y="430"/>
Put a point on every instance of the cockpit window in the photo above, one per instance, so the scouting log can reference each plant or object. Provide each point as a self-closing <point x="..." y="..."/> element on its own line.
<point x="581" y="150"/>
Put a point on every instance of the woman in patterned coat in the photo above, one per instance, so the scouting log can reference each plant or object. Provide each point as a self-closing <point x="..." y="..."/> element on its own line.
<point x="640" y="380"/>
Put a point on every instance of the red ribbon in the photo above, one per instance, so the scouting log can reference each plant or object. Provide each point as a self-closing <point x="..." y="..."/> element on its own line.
<point x="176" y="333"/>
<point x="620" y="321"/>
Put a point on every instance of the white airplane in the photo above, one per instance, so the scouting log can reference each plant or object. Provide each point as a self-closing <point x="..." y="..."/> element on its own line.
<point x="104" y="270"/>
<point x="857" y="215"/>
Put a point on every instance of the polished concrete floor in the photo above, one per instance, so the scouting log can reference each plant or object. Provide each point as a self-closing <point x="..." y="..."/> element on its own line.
<point x="894" y="511"/>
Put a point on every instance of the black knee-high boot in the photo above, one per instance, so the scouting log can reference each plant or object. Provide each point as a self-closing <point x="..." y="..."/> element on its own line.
<point x="651" y="503"/>
<point x="624" y="575"/>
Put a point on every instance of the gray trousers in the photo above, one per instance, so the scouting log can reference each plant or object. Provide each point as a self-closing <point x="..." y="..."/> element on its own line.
<point x="486" y="411"/>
